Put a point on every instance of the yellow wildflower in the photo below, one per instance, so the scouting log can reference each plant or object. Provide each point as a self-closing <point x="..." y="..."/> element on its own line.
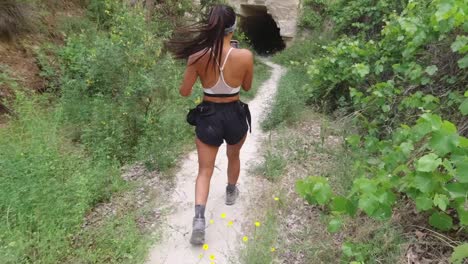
<point x="200" y="256"/>
<point x="223" y="215"/>
<point x="276" y="199"/>
<point x="212" y="257"/>
<point x="257" y="224"/>
<point x="205" y="247"/>
<point x="273" y="249"/>
<point x="230" y="223"/>
<point x="245" y="239"/>
<point x="211" y="221"/>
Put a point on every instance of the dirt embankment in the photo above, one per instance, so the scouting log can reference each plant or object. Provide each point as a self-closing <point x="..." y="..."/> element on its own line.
<point x="24" y="28"/>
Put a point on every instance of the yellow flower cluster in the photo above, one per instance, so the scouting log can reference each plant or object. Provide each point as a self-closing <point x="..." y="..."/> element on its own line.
<point x="230" y="223"/>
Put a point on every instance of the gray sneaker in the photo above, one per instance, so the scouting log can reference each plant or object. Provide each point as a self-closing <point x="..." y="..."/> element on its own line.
<point x="231" y="196"/>
<point x="198" y="232"/>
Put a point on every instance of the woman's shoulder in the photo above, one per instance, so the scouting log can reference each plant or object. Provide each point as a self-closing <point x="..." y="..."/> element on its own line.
<point x="199" y="54"/>
<point x="244" y="54"/>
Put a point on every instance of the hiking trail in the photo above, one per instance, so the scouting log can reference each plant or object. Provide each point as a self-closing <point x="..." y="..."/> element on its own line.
<point x="223" y="239"/>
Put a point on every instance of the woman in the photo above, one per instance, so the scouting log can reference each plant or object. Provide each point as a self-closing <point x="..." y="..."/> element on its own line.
<point x="221" y="116"/>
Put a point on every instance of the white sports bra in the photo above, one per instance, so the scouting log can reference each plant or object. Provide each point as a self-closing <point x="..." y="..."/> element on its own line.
<point x="221" y="88"/>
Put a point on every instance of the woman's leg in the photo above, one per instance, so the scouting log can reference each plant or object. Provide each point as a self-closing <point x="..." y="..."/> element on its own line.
<point x="206" y="162"/>
<point x="233" y="153"/>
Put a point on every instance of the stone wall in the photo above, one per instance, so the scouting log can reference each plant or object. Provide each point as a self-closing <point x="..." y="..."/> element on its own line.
<point x="284" y="12"/>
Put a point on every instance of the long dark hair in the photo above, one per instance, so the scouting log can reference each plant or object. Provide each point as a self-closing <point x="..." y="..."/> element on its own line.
<point x="208" y="33"/>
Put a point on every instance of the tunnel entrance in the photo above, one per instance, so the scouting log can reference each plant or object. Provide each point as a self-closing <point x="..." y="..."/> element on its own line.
<point x="261" y="29"/>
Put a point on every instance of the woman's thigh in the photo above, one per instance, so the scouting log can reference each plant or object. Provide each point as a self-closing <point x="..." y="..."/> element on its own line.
<point x="206" y="154"/>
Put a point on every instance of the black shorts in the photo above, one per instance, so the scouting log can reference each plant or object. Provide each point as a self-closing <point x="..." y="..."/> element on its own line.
<point x="216" y="122"/>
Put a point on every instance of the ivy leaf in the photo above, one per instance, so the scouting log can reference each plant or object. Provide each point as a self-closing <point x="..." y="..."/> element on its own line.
<point x="424" y="182"/>
<point x="382" y="212"/>
<point x="459" y="254"/>
<point x="444" y="11"/>
<point x="407" y="148"/>
<point x="449" y="167"/>
<point x="428" y="163"/>
<point x="463" y="62"/>
<point x="441" y="221"/>
<point x="368" y="203"/>
<point x="462" y="210"/>
<point x="463" y="142"/>
<point x="434" y="120"/>
<point x="423" y="203"/>
<point x="460" y="44"/>
<point x="353" y="140"/>
<point x="334" y="225"/>
<point x="322" y="192"/>
<point x="361" y="69"/>
<point x="462" y="170"/>
<point x="457" y="190"/>
<point x="441" y="201"/>
<point x="464" y="107"/>
<point x="445" y="140"/>
<point x="431" y="70"/>
<point x="340" y="204"/>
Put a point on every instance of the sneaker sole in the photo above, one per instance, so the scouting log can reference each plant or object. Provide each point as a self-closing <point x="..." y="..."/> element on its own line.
<point x="233" y="202"/>
<point x="198" y="238"/>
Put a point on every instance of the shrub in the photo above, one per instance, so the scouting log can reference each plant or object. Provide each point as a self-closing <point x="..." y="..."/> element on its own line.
<point x="116" y="86"/>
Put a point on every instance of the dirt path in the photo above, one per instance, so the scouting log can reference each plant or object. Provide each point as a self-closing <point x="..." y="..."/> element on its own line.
<point x="222" y="238"/>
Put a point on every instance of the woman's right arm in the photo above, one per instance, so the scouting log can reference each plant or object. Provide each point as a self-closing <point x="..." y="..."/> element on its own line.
<point x="248" y="76"/>
<point x="190" y="77"/>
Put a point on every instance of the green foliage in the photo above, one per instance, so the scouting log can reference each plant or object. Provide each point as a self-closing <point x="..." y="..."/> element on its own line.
<point x="313" y="13"/>
<point x="363" y="17"/>
<point x="257" y="249"/>
<point x="459" y="254"/>
<point x="113" y="99"/>
<point x="413" y="162"/>
<point x="47" y="185"/>
<point x="388" y="80"/>
<point x="289" y="102"/>
<point x="388" y="83"/>
<point x="116" y="86"/>
<point x="273" y="166"/>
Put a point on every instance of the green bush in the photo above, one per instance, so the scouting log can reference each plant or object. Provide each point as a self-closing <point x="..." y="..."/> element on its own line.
<point x="313" y="14"/>
<point x="116" y="87"/>
<point x="389" y="84"/>
<point x="363" y="17"/>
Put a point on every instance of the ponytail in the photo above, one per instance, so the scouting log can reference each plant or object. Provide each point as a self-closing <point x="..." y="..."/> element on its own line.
<point x="204" y="35"/>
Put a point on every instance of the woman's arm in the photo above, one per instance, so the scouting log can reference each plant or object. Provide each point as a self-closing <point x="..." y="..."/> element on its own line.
<point x="190" y="77"/>
<point x="248" y="76"/>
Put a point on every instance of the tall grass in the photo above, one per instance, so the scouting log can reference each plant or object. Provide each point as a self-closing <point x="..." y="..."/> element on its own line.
<point x="115" y="101"/>
<point x="258" y="249"/>
<point x="47" y="184"/>
<point x="289" y="102"/>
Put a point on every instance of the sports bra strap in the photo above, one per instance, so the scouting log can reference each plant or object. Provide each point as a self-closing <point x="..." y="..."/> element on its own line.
<point x="225" y="60"/>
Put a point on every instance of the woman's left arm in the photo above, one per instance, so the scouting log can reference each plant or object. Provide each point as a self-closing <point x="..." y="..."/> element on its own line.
<point x="190" y="77"/>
